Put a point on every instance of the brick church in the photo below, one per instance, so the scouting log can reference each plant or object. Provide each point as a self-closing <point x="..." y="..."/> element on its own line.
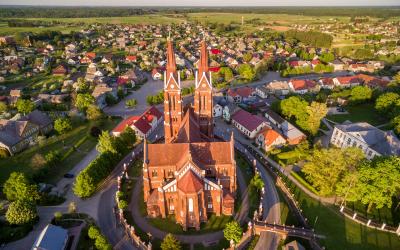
<point x="192" y="174"/>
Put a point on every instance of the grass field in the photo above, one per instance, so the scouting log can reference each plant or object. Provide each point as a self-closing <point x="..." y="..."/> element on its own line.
<point x="342" y="233"/>
<point x="360" y="113"/>
<point x="32" y="160"/>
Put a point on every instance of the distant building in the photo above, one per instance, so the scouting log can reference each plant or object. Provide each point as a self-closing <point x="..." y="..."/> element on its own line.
<point x="371" y="140"/>
<point x="51" y="238"/>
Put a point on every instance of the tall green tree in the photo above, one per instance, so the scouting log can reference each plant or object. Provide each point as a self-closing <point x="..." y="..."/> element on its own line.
<point x="25" y="106"/>
<point x="18" y="187"/>
<point x="360" y="94"/>
<point x="316" y="111"/>
<point x="247" y="72"/>
<point x="378" y="182"/>
<point x="93" y="112"/>
<point x="62" y="125"/>
<point x="325" y="167"/>
<point x="233" y="231"/>
<point x="83" y="101"/>
<point x="107" y="143"/>
<point x="170" y="243"/>
<point x="386" y="102"/>
<point x="293" y="106"/>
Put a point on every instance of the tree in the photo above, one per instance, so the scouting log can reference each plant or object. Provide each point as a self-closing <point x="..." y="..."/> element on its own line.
<point x="257" y="182"/>
<point x="21" y="212"/>
<point x="360" y="94"/>
<point x="83" y="87"/>
<point x="316" y="111"/>
<point x="3" y="107"/>
<point x="170" y="243"/>
<point x="386" y="102"/>
<point x="247" y="57"/>
<point x="18" y="187"/>
<point x="52" y="158"/>
<point x="327" y="57"/>
<point x="85" y="184"/>
<point x="378" y="182"/>
<point x="293" y="106"/>
<point x="128" y="137"/>
<point x="247" y="72"/>
<point x="83" y="101"/>
<point x="233" y="231"/>
<point x="25" y="106"/>
<point x="93" y="113"/>
<point x="93" y="232"/>
<point x="106" y="143"/>
<point x="62" y="125"/>
<point x="325" y="167"/>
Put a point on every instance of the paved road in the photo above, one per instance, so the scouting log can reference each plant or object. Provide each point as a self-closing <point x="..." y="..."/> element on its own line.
<point x="271" y="212"/>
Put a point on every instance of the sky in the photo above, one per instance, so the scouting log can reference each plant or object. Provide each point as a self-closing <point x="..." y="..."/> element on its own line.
<point x="203" y="2"/>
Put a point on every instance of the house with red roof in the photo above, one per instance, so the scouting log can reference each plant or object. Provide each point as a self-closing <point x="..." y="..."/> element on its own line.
<point x="60" y="70"/>
<point x="88" y="58"/>
<point x="347" y="81"/>
<point x="269" y="138"/>
<point x="240" y="94"/>
<point x="143" y="125"/>
<point x="215" y="51"/>
<point x="130" y="59"/>
<point x="302" y="86"/>
<point x="248" y="124"/>
<point x="156" y="74"/>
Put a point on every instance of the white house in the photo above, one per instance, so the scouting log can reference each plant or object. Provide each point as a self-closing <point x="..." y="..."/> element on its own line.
<point x="371" y="140"/>
<point x="217" y="110"/>
<point x="262" y="92"/>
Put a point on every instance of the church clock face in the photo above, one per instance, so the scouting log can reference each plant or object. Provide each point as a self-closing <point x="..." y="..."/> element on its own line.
<point x="172" y="86"/>
<point x="203" y="85"/>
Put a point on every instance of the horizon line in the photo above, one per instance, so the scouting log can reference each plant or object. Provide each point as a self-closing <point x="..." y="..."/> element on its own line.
<point x="198" y="6"/>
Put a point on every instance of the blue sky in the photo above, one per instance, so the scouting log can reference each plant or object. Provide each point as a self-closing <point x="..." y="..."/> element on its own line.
<point x="202" y="2"/>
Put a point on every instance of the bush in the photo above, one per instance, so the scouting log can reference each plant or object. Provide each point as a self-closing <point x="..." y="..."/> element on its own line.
<point x="122" y="204"/>
<point x="101" y="241"/>
<point x="21" y="212"/>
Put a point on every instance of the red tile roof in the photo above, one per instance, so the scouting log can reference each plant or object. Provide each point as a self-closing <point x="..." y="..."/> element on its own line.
<point x="348" y="79"/>
<point x="190" y="182"/>
<point x="247" y="120"/>
<point x="270" y="136"/>
<point x="243" y="92"/>
<point x="130" y="58"/>
<point x="142" y="123"/>
<point x="302" y="84"/>
<point x="91" y="55"/>
<point x="216" y="51"/>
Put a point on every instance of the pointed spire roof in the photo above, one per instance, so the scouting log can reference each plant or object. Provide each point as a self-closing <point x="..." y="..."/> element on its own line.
<point x="203" y="62"/>
<point x="171" y="63"/>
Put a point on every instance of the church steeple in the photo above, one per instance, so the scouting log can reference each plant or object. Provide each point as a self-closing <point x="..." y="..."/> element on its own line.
<point x="172" y="96"/>
<point x="203" y="98"/>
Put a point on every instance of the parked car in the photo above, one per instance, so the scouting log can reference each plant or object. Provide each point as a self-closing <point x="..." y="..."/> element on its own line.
<point x="69" y="176"/>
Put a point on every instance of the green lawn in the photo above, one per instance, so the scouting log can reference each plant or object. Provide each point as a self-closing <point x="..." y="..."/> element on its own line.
<point x="213" y="224"/>
<point x="342" y="233"/>
<point x="360" y="113"/>
<point x="32" y="160"/>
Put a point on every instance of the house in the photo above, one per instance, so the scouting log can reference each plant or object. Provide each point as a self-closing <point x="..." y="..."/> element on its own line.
<point x="262" y="92"/>
<point x="346" y="81"/>
<point x="337" y="65"/>
<point x="51" y="238"/>
<point x="247" y="123"/>
<point x="156" y="74"/>
<point x="217" y="110"/>
<point x="15" y="94"/>
<point x="269" y="138"/>
<point x="130" y="59"/>
<point x="228" y="111"/>
<point x="279" y="88"/>
<point x="301" y="86"/>
<point x="100" y="93"/>
<point x="240" y="94"/>
<point x="40" y="119"/>
<point x="60" y="70"/>
<point x="53" y="98"/>
<point x="15" y="136"/>
<point x="326" y="83"/>
<point x="292" y="135"/>
<point x="371" y="140"/>
<point x="357" y="67"/>
<point x="143" y="125"/>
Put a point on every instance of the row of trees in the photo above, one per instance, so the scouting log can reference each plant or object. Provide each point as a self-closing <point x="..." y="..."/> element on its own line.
<point x="320" y="68"/>
<point x="111" y="149"/>
<point x="311" y="38"/>
<point x="307" y="116"/>
<point x="347" y="174"/>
